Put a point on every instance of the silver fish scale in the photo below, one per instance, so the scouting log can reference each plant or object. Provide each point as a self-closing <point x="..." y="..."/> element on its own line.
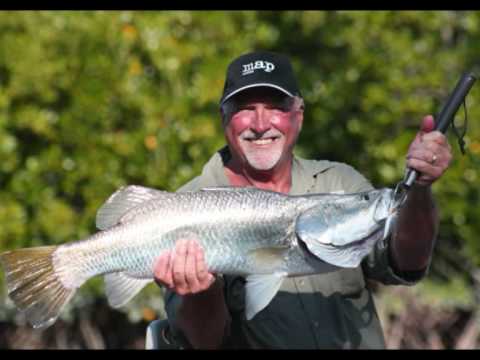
<point x="230" y="232"/>
<point x="228" y="224"/>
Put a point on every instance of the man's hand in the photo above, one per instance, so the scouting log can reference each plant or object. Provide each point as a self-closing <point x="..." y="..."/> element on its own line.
<point x="429" y="153"/>
<point x="183" y="270"/>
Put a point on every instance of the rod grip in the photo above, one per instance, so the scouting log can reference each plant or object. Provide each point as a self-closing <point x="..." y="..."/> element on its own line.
<point x="447" y="114"/>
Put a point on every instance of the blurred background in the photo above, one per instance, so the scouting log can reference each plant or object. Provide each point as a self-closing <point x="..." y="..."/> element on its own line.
<point x="94" y="100"/>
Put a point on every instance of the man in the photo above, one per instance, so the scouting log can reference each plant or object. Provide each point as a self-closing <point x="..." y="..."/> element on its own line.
<point x="262" y="112"/>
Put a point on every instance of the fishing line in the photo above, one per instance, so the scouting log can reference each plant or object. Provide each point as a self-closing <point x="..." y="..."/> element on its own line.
<point x="461" y="134"/>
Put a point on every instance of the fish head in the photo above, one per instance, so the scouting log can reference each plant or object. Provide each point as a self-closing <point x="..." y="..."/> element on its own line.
<point x="384" y="204"/>
<point x="387" y="211"/>
<point x="343" y="229"/>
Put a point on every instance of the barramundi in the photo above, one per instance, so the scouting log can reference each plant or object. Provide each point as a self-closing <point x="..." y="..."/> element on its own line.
<point x="262" y="235"/>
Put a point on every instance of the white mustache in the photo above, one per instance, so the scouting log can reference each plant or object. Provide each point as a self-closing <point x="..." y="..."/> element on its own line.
<point x="250" y="135"/>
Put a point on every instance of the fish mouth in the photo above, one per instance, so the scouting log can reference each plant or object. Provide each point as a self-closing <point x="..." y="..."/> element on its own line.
<point x="372" y="237"/>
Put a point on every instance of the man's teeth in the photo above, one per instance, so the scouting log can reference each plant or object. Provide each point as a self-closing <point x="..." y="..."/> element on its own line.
<point x="262" y="141"/>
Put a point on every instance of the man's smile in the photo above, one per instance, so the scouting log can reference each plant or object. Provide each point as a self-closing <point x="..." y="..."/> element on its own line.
<point x="263" y="141"/>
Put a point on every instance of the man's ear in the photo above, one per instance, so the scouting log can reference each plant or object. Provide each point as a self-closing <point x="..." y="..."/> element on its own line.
<point x="299" y="119"/>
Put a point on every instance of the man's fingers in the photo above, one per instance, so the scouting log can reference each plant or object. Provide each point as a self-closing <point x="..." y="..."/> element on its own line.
<point x="201" y="266"/>
<point x="161" y="270"/>
<point x="435" y="137"/>
<point x="425" y="155"/>
<point x="426" y="168"/>
<point x="206" y="278"/>
<point x="183" y="270"/>
<point x="191" y="267"/>
<point x="178" y="266"/>
<point x="169" y="273"/>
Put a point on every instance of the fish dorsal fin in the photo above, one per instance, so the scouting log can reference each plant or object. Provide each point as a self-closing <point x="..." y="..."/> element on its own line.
<point x="121" y="288"/>
<point x="260" y="290"/>
<point x="226" y="188"/>
<point x="122" y="201"/>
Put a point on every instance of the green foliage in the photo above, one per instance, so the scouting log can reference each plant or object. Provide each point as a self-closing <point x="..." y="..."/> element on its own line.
<point x="91" y="101"/>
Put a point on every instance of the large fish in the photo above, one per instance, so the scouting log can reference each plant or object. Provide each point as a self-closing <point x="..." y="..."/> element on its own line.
<point x="262" y="235"/>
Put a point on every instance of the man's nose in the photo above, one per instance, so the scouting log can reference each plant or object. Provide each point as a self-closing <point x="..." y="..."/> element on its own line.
<point x="261" y="121"/>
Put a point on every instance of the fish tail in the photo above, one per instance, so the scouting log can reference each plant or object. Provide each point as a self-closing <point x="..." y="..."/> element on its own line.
<point x="34" y="285"/>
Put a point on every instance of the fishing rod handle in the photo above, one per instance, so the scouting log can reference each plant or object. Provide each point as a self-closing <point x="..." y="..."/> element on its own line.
<point x="447" y="114"/>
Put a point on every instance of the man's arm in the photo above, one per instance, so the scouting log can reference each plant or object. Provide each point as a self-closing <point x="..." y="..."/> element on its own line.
<point x="417" y="224"/>
<point x="416" y="231"/>
<point x="204" y="317"/>
<point x="202" y="314"/>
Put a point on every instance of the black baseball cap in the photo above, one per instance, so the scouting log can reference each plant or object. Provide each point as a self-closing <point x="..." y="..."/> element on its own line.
<point x="260" y="68"/>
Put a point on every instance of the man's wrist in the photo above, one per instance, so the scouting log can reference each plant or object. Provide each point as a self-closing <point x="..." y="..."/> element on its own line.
<point x="215" y="287"/>
<point x="421" y="186"/>
<point x="420" y="192"/>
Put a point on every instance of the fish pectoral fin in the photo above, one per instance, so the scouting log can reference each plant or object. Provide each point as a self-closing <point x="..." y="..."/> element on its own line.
<point x="121" y="288"/>
<point x="260" y="290"/>
<point x="122" y="201"/>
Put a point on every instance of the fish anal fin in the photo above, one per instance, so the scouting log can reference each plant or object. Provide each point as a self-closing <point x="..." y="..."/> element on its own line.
<point x="121" y="288"/>
<point x="260" y="290"/>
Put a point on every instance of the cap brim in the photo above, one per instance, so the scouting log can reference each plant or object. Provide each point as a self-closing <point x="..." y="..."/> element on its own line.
<point x="256" y="85"/>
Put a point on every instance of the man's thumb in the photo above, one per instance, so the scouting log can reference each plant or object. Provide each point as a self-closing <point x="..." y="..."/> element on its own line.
<point x="428" y="124"/>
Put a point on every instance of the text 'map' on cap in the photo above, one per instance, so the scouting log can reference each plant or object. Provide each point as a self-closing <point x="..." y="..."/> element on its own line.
<point x="260" y="68"/>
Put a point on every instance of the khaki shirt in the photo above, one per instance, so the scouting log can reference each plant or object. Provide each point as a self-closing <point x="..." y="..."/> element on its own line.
<point x="330" y="310"/>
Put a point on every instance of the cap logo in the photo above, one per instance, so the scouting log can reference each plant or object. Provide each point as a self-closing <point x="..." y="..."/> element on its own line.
<point x="251" y="67"/>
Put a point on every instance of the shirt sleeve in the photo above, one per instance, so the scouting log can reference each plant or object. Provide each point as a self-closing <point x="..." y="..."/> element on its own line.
<point x="171" y="303"/>
<point x="378" y="266"/>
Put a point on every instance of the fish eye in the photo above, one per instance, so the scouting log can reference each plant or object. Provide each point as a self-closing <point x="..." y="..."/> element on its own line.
<point x="366" y="197"/>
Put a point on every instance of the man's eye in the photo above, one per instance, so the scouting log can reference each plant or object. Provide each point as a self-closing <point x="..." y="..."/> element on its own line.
<point x="278" y="108"/>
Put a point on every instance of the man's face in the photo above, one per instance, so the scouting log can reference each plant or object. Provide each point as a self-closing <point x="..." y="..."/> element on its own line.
<point x="263" y="128"/>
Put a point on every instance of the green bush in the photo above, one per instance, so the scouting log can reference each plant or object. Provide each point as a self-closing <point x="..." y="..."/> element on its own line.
<point x="93" y="100"/>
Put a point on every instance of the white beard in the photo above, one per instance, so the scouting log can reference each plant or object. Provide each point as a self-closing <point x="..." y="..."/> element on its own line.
<point x="263" y="157"/>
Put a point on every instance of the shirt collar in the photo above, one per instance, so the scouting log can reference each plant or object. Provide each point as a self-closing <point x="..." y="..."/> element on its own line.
<point x="304" y="172"/>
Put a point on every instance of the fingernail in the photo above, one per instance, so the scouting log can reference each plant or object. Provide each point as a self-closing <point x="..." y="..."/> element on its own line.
<point x="181" y="244"/>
